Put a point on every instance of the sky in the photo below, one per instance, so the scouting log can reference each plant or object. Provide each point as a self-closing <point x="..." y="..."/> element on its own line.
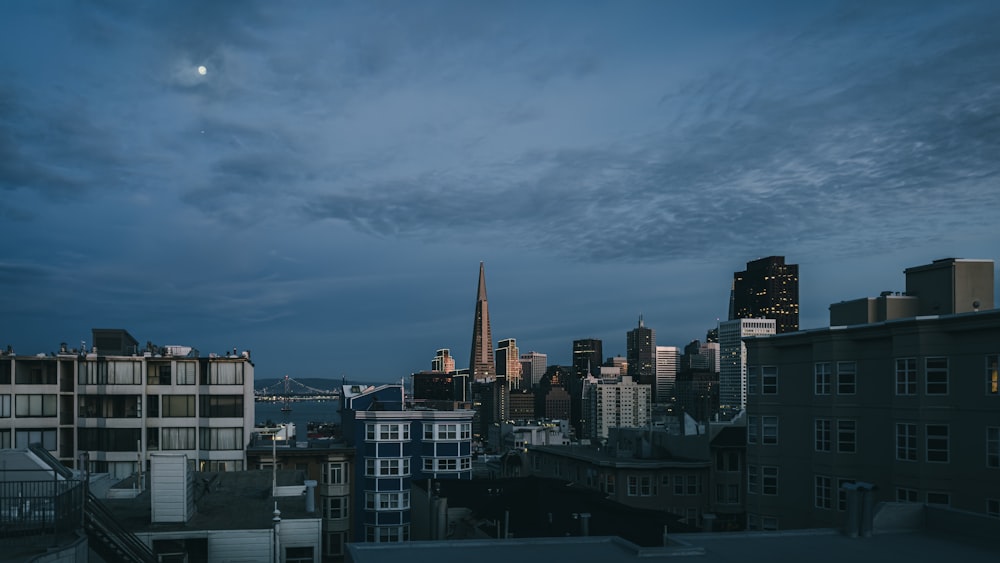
<point x="317" y="182"/>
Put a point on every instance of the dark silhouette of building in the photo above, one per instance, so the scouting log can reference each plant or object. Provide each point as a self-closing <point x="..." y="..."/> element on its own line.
<point x="767" y="289"/>
<point x="587" y="356"/>
<point x="641" y="353"/>
<point x="481" y="365"/>
<point x="439" y="386"/>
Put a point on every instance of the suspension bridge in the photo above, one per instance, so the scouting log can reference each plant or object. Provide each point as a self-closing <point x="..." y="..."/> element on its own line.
<point x="287" y="390"/>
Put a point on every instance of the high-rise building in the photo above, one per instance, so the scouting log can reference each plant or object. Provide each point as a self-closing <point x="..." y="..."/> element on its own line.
<point x="443" y="361"/>
<point x="618" y="362"/>
<point x="587" y="355"/>
<point x="533" y="366"/>
<point x="667" y="358"/>
<point x="733" y="361"/>
<point x="908" y="406"/>
<point x="641" y="353"/>
<point x="481" y="366"/>
<point x="613" y="404"/>
<point x="767" y="289"/>
<point x="508" y="362"/>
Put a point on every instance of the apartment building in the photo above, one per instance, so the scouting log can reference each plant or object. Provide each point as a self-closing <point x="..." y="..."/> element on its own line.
<point x="116" y="403"/>
<point x="907" y="406"/>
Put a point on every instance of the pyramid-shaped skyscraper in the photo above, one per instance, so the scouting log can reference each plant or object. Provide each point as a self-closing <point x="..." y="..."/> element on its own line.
<point x="481" y="365"/>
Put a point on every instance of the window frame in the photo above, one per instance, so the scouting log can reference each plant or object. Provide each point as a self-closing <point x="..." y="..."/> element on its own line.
<point x="906" y="377"/>
<point x="941" y="377"/>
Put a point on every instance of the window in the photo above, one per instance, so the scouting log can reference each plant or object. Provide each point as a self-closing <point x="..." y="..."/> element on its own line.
<point x="769" y="524"/>
<point x="769" y="481"/>
<point x="939" y="498"/>
<point x="125" y="373"/>
<point x="385" y="534"/>
<point x="396" y="500"/>
<point x="449" y="431"/>
<point x="693" y="486"/>
<point x="34" y="406"/>
<point x="753" y="480"/>
<point x="847" y="436"/>
<point x="993" y="374"/>
<point x="392" y="467"/>
<point x="224" y="373"/>
<point x="177" y="439"/>
<point x="769" y="430"/>
<point x="186" y="373"/>
<point x="769" y="380"/>
<point x="847" y="378"/>
<point x="678" y="484"/>
<point x="219" y="406"/>
<point x="993" y="447"/>
<point x="752" y="423"/>
<point x="333" y="543"/>
<point x="633" y="486"/>
<point x="152" y="438"/>
<point x="937" y="443"/>
<point x="936" y="374"/>
<point x="178" y="405"/>
<point x="752" y="374"/>
<point x="387" y="432"/>
<point x="842" y="493"/>
<point x="823" y="430"/>
<point x="221" y="438"/>
<point x="993" y="507"/>
<point x="299" y="554"/>
<point x="46" y="437"/>
<point x="5" y="439"/>
<point x="906" y="376"/>
<point x="906" y="441"/>
<point x="152" y="406"/>
<point x="906" y="495"/>
<point x="824" y="493"/>
<point x="4" y="406"/>
<point x="335" y="473"/>
<point x="821" y="378"/>
<point x="108" y="439"/>
<point x="335" y="508"/>
<point x="159" y="374"/>
<point x="35" y="373"/>
<point x="609" y="483"/>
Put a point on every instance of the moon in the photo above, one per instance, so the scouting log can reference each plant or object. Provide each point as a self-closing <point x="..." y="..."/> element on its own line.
<point x="202" y="70"/>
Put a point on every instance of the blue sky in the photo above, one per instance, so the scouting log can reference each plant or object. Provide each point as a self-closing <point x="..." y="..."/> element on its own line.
<point x="324" y="193"/>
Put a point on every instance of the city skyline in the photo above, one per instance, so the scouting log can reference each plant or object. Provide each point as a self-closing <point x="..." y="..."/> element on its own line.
<point x="318" y="182"/>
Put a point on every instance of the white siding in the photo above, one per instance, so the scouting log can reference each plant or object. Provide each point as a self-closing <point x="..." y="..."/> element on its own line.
<point x="171" y="494"/>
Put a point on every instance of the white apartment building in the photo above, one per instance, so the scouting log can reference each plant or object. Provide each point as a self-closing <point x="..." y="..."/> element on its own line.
<point x="118" y="404"/>
<point x="733" y="360"/>
<point x="613" y="404"/>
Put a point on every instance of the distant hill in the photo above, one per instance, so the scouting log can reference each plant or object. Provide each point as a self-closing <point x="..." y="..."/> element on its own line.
<point x="321" y="383"/>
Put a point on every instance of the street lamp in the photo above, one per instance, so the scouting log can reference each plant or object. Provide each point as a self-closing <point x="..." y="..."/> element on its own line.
<point x="276" y="523"/>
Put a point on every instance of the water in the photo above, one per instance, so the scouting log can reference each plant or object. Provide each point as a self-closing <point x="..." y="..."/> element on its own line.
<point x="302" y="413"/>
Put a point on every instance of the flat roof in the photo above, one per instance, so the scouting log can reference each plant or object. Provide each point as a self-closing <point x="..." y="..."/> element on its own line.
<point x="225" y="500"/>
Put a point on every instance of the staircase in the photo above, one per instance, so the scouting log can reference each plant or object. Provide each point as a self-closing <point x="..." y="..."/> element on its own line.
<point x="106" y="536"/>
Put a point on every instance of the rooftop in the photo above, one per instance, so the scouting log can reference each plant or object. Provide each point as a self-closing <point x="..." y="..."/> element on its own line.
<point x="237" y="500"/>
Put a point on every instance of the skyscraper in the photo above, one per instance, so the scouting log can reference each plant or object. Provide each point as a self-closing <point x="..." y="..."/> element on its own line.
<point x="641" y="353"/>
<point x="443" y="361"/>
<point x="533" y="366"/>
<point x="481" y="366"/>
<point x="508" y="362"/>
<point x="733" y="361"/>
<point x="667" y="358"/>
<point x="587" y="356"/>
<point x="767" y="289"/>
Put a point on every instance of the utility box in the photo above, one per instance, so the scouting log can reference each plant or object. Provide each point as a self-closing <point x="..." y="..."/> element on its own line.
<point x="171" y="488"/>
